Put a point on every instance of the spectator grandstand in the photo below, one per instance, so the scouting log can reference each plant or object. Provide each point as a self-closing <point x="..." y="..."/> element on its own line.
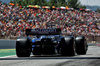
<point x="14" y="20"/>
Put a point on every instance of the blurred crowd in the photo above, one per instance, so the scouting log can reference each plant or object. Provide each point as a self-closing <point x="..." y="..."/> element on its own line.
<point x="15" y="20"/>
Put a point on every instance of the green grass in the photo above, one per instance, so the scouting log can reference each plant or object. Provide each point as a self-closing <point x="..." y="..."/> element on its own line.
<point x="7" y="52"/>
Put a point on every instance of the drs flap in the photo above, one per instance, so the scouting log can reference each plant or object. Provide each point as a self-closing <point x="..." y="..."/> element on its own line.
<point x="43" y="31"/>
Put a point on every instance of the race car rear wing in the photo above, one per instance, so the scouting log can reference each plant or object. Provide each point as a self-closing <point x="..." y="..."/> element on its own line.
<point x="43" y="31"/>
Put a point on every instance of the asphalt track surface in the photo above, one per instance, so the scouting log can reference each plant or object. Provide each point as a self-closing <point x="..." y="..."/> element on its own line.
<point x="92" y="58"/>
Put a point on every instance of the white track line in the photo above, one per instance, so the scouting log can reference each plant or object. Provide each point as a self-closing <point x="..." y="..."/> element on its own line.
<point x="8" y="56"/>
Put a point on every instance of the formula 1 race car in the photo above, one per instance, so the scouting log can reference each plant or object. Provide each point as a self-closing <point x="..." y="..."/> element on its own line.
<point x="49" y="42"/>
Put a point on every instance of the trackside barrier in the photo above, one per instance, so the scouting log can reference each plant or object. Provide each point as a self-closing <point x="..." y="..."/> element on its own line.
<point x="90" y="39"/>
<point x="93" y="39"/>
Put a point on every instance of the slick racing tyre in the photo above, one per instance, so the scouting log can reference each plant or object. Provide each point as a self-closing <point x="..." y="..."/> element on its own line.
<point x="67" y="46"/>
<point x="23" y="47"/>
<point x="81" y="45"/>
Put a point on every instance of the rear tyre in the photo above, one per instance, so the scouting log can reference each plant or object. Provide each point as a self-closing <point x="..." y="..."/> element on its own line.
<point x="67" y="46"/>
<point x="81" y="45"/>
<point x="23" y="47"/>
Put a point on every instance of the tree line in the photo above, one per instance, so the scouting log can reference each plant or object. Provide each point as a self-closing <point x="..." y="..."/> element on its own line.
<point x="56" y="3"/>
